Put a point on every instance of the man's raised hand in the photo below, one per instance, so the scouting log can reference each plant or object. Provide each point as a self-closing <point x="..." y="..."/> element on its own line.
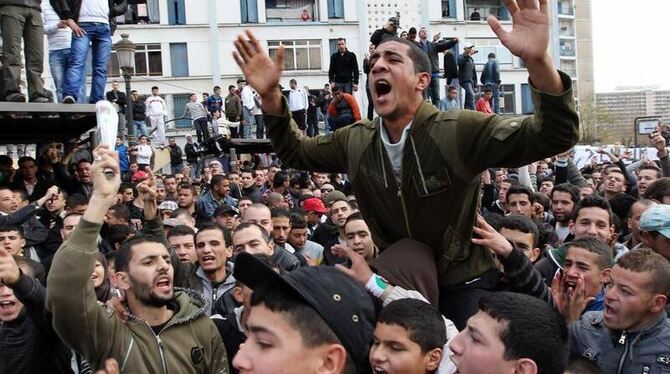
<point x="261" y="71"/>
<point x="9" y="271"/>
<point x="105" y="160"/>
<point x="529" y="38"/>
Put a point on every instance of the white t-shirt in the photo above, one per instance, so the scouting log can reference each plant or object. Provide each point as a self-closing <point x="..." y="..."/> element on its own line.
<point x="94" y="11"/>
<point x="395" y="150"/>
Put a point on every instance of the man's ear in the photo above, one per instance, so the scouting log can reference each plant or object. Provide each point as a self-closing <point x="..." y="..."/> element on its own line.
<point x="525" y="366"/>
<point x="122" y="280"/>
<point x="534" y="254"/>
<point x="571" y="227"/>
<point x="333" y="358"/>
<point x="658" y="303"/>
<point x="423" y="81"/>
<point x="433" y="359"/>
<point x="605" y="275"/>
<point x="271" y="247"/>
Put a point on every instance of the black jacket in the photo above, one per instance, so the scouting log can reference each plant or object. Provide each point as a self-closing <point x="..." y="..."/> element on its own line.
<point x="69" y="9"/>
<point x="380" y="35"/>
<point x="191" y="150"/>
<point x="433" y="48"/>
<point x="119" y="98"/>
<point x="343" y="68"/>
<point x="139" y="109"/>
<point x="29" y="344"/>
<point x="467" y="71"/>
<point x="176" y="156"/>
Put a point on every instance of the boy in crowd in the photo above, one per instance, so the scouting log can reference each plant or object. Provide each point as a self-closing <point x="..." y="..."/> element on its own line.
<point x="408" y="338"/>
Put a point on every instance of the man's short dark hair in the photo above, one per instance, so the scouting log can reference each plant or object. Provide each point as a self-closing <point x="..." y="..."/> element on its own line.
<point x="212" y="227"/>
<point x="216" y="88"/>
<point x="154" y="88"/>
<point x="8" y="228"/>
<point x="488" y="90"/>
<point x="187" y="186"/>
<point x="521" y="190"/>
<point x="125" y="253"/>
<point x="336" y="89"/>
<point x="300" y="316"/>
<point x="530" y="328"/>
<point x="567" y="188"/>
<point x="298" y="221"/>
<point x="416" y="54"/>
<point x="26" y="158"/>
<point x="117" y="234"/>
<point x="180" y="230"/>
<point x="217" y="179"/>
<point x="659" y="173"/>
<point x="121" y="211"/>
<point x="232" y="86"/>
<point x="523" y="224"/>
<point x="23" y="195"/>
<point x="492" y="55"/>
<point x="422" y="321"/>
<point x="593" y="201"/>
<point x="280" y="212"/>
<point x="645" y="260"/>
<point x="279" y="179"/>
<point x="75" y="200"/>
<point x="450" y="88"/>
<point x="658" y="189"/>
<point x="598" y="248"/>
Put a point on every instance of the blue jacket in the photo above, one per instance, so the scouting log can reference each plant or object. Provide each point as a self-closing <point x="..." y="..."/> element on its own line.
<point x="206" y="205"/>
<point x="124" y="162"/>
<point x="491" y="72"/>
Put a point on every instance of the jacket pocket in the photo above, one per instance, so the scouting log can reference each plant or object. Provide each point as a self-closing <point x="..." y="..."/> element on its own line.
<point x="431" y="183"/>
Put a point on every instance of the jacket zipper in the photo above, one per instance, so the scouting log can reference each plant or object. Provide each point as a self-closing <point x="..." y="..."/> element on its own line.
<point x="159" y="342"/>
<point x="622" y="359"/>
<point x="404" y="211"/>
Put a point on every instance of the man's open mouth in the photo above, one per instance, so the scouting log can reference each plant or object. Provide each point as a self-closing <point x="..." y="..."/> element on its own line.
<point x="4" y="305"/>
<point x="382" y="87"/>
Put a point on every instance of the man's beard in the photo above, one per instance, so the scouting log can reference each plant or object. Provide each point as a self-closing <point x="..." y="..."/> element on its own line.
<point x="144" y="293"/>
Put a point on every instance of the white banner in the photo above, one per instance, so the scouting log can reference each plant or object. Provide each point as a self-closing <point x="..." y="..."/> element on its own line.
<point x="584" y="153"/>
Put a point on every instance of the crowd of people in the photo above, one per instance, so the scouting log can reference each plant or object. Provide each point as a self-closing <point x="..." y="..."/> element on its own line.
<point x="426" y="241"/>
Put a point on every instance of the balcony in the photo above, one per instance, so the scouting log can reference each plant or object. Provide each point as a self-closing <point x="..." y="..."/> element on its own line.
<point x="566" y="8"/>
<point x="140" y="12"/>
<point x="567" y="48"/>
<point x="291" y="11"/>
<point x="479" y="10"/>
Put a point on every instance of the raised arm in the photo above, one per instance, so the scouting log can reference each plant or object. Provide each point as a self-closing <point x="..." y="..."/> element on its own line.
<point x="78" y="319"/>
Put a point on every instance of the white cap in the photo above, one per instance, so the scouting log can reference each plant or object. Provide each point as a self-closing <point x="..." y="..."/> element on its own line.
<point x="189" y="135"/>
<point x="467" y="45"/>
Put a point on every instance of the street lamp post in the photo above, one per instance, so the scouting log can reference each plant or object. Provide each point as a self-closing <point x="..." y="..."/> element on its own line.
<point x="125" y="52"/>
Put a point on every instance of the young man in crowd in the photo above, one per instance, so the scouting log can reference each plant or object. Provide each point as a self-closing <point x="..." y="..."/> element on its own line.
<point x="655" y="229"/>
<point x="627" y="336"/>
<point x="564" y="197"/>
<point x="315" y="209"/>
<point x="188" y="339"/>
<point x="358" y="237"/>
<point x="330" y="234"/>
<point x="520" y="200"/>
<point x="182" y="242"/>
<point x="297" y="237"/>
<point x="511" y="333"/>
<point x="261" y="215"/>
<point x="214" y="270"/>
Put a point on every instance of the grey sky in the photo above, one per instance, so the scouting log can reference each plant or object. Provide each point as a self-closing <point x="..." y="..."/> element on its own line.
<point x="630" y="43"/>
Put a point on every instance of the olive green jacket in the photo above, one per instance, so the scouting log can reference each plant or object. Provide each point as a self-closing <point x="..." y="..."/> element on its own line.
<point x="188" y="343"/>
<point x="437" y="199"/>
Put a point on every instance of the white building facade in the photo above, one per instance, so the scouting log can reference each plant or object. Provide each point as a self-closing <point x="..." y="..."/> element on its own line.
<point x="186" y="46"/>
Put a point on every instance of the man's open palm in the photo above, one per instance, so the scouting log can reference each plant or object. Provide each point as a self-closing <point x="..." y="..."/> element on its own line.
<point x="529" y="38"/>
<point x="261" y="71"/>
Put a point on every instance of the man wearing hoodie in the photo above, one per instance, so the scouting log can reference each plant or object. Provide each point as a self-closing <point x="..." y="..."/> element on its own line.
<point x="167" y="330"/>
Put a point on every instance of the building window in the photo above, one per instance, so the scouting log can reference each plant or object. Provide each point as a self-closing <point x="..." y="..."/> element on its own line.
<point x="140" y="12"/>
<point x="448" y="8"/>
<point x="292" y="10"/>
<point x="507" y="99"/>
<point x="335" y="8"/>
<point x="479" y="10"/>
<point x="176" y="12"/>
<point x="148" y="61"/>
<point x="178" y="104"/>
<point x="300" y="54"/>
<point x="249" y="10"/>
<point x="179" y="59"/>
<point x="503" y="55"/>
